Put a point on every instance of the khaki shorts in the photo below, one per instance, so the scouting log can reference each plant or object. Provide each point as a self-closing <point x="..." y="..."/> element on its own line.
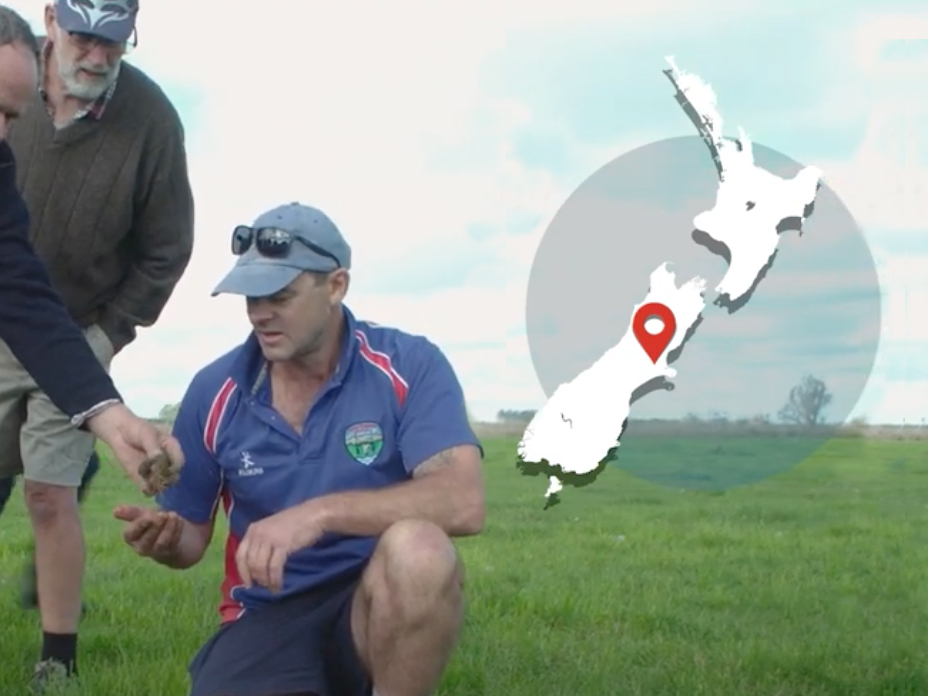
<point x="36" y="439"/>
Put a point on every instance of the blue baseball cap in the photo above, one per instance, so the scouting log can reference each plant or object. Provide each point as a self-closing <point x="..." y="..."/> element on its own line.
<point x="113" y="20"/>
<point x="256" y="275"/>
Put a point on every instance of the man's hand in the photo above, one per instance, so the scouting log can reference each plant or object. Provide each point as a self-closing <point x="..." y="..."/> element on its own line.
<point x="268" y="543"/>
<point x="151" y="533"/>
<point x="133" y="441"/>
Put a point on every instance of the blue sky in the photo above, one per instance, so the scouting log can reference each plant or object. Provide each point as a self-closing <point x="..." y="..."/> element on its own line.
<point x="443" y="141"/>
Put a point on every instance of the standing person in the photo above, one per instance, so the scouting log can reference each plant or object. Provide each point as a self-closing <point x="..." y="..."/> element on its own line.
<point x="34" y="323"/>
<point x="101" y="164"/>
<point x="345" y="461"/>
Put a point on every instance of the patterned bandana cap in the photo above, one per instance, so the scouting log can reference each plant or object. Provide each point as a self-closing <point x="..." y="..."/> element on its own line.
<point x="112" y="20"/>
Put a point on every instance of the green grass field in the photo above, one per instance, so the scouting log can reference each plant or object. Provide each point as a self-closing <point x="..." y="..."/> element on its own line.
<point x="808" y="584"/>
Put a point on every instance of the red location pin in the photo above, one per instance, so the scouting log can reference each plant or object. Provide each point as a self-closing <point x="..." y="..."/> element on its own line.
<point x="654" y="344"/>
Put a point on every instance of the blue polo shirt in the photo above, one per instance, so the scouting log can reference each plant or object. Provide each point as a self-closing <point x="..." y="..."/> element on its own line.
<point x="393" y="402"/>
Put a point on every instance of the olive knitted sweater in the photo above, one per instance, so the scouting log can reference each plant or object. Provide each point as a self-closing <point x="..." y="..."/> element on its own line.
<point x="110" y="204"/>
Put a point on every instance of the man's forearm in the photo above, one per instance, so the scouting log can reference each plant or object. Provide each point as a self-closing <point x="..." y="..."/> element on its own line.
<point x="453" y="504"/>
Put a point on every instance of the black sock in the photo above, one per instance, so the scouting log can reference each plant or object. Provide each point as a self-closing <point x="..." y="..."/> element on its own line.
<point x="61" y="647"/>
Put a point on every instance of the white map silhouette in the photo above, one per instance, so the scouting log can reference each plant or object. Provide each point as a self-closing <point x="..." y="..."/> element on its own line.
<point x="584" y="418"/>
<point x="751" y="203"/>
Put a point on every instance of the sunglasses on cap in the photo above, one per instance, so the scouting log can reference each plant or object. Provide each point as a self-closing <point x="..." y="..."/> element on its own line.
<point x="273" y="242"/>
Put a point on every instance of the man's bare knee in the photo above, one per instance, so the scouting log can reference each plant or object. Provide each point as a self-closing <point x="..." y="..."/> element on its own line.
<point x="409" y="610"/>
<point x="417" y="557"/>
<point x="48" y="503"/>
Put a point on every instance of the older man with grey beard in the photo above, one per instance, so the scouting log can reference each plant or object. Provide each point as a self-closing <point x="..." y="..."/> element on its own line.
<point x="101" y="164"/>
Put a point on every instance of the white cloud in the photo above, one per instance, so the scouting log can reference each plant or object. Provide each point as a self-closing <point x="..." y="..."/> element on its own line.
<point x="872" y="33"/>
<point x="885" y="184"/>
<point x="906" y="279"/>
<point x="893" y="402"/>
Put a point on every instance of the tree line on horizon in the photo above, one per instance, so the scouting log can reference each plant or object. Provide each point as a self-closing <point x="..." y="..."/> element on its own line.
<point x="805" y="406"/>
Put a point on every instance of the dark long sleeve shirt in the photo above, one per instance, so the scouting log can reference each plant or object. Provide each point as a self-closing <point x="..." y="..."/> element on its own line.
<point x="34" y="322"/>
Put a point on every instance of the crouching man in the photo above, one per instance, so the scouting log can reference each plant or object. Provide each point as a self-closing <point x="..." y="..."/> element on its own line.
<point x="343" y="457"/>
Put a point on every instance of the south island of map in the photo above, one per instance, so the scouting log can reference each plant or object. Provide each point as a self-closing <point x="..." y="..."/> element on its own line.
<point x="583" y="419"/>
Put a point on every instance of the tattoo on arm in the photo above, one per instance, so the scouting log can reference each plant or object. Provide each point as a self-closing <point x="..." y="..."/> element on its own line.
<point x="439" y="461"/>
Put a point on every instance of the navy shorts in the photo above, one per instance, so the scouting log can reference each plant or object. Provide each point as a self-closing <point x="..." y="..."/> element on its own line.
<point x="298" y="645"/>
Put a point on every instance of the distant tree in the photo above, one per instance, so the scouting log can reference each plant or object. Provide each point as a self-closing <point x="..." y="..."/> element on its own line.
<point x="168" y="412"/>
<point x="807" y="402"/>
<point x="512" y="416"/>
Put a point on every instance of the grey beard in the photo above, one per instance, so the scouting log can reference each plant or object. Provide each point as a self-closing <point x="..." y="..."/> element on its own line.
<point x="88" y="91"/>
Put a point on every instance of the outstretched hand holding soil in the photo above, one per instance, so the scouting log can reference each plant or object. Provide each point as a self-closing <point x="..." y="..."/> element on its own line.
<point x="159" y="473"/>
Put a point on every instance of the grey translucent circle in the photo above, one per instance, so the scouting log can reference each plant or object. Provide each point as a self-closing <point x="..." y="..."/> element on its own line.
<point x="816" y="312"/>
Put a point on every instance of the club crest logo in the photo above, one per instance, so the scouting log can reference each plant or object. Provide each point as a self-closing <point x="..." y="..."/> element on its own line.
<point x="364" y="441"/>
